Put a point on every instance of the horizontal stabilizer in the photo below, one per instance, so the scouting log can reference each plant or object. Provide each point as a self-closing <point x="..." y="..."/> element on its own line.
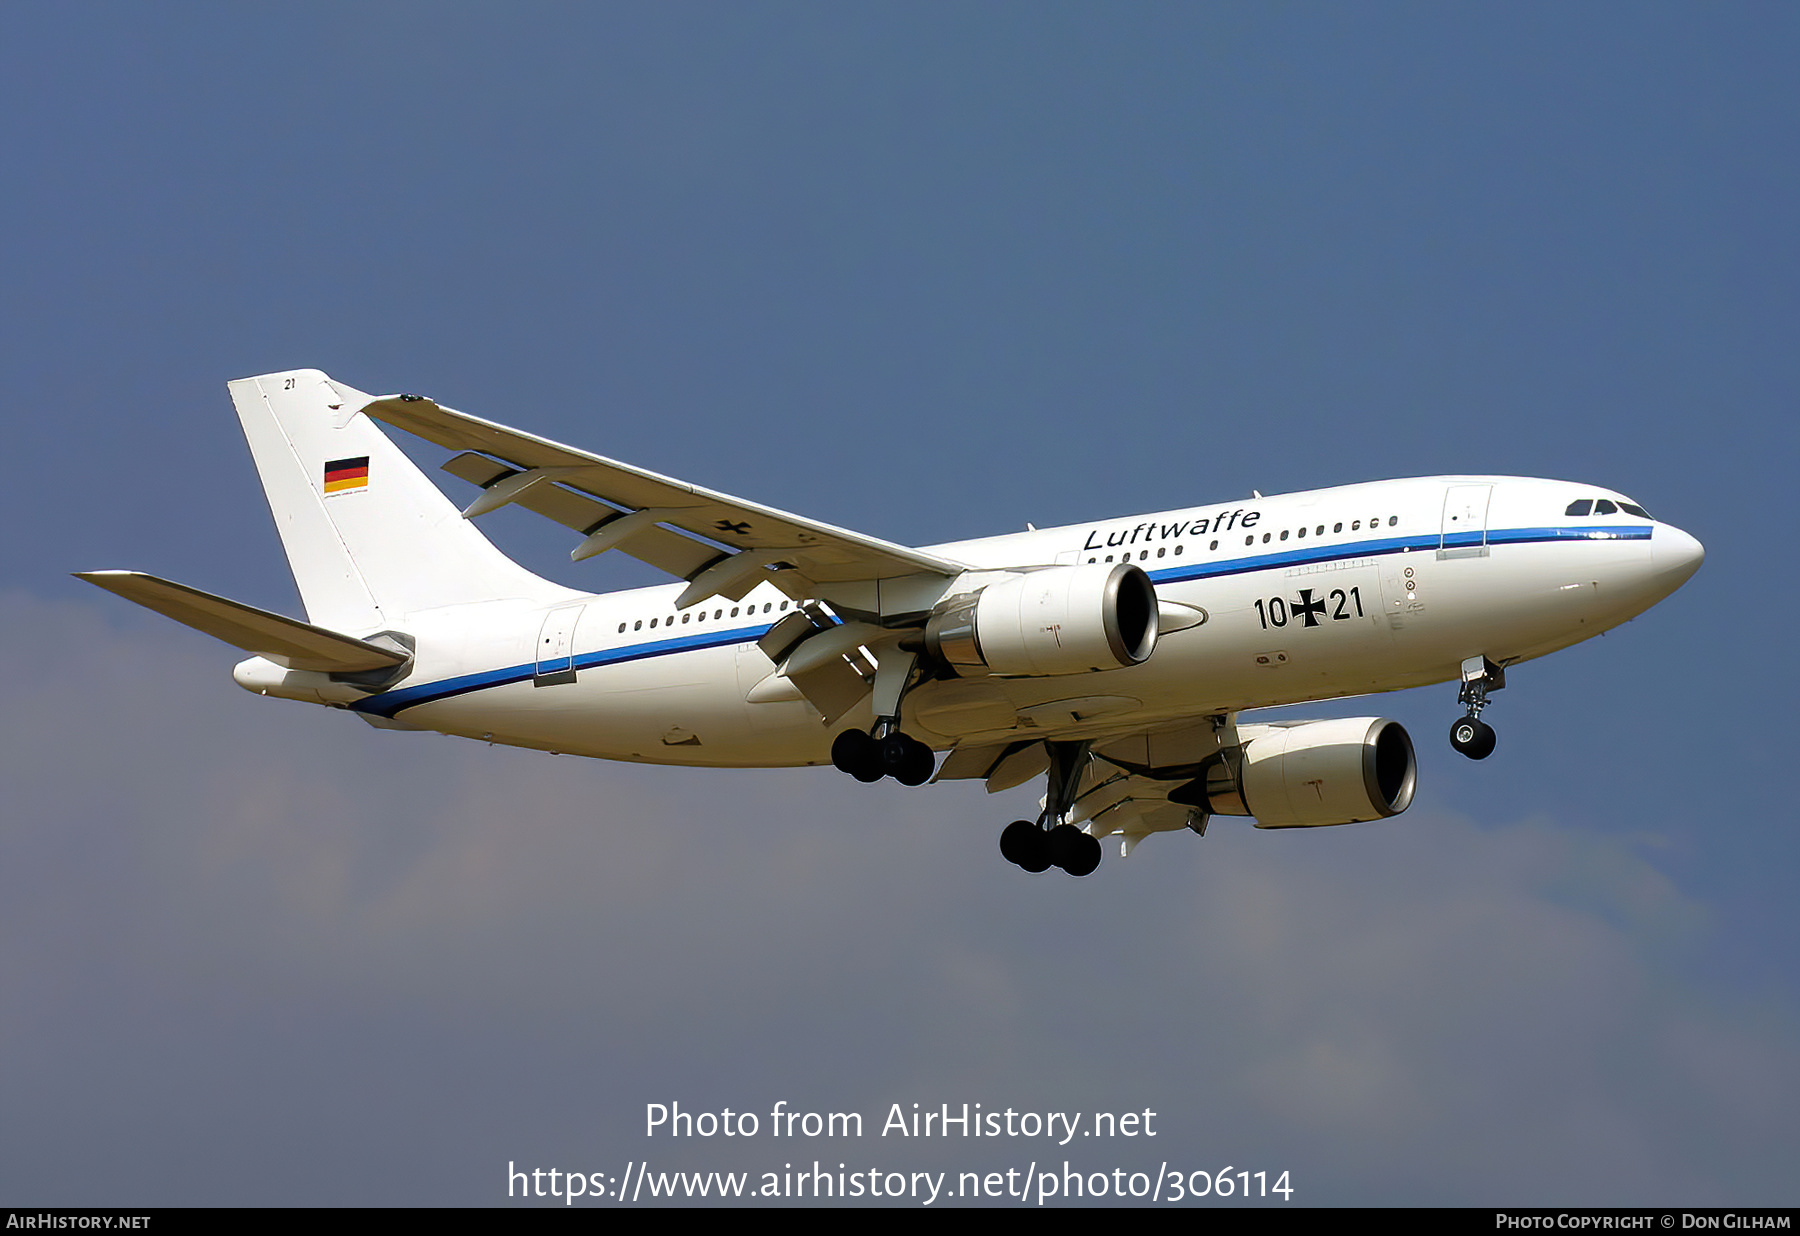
<point x="285" y="641"/>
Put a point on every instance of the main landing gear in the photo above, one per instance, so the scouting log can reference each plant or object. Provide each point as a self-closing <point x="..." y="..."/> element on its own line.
<point x="1470" y="735"/>
<point x="1026" y="844"/>
<point x="886" y="753"/>
<point x="1052" y="841"/>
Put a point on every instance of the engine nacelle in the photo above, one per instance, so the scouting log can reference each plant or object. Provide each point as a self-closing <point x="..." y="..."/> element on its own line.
<point x="1310" y="775"/>
<point x="1060" y="620"/>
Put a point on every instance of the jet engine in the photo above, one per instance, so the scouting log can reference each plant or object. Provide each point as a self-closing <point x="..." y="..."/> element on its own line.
<point x="1060" y="620"/>
<point x="1310" y="774"/>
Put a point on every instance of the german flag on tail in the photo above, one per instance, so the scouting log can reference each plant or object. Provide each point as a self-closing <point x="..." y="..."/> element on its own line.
<point x="343" y="475"/>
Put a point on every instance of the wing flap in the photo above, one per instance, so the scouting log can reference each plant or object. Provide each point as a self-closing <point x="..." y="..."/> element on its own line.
<point x="285" y="641"/>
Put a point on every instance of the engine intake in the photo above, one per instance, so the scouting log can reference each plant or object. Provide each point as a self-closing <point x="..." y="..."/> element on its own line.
<point x="1060" y="620"/>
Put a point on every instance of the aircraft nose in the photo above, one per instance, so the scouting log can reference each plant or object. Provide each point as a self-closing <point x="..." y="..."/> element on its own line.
<point x="1675" y="555"/>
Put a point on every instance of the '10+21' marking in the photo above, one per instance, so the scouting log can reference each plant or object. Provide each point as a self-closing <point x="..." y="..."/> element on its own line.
<point x="1276" y="611"/>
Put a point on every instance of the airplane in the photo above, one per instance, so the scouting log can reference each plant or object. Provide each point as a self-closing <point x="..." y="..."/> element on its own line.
<point x="1113" y="659"/>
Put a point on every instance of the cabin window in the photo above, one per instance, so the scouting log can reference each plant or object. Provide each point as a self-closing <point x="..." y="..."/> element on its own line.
<point x="1301" y="534"/>
<point x="1392" y="520"/>
<point x="1338" y="527"/>
<point x="1355" y="525"/>
<point x="686" y="618"/>
<point x="1250" y="540"/>
<point x="1214" y="545"/>
<point x="1284" y="535"/>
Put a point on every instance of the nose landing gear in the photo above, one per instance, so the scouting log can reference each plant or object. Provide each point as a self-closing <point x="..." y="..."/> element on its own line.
<point x="1471" y="736"/>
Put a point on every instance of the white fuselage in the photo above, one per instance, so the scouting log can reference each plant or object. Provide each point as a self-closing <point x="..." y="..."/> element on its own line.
<point x="1308" y="596"/>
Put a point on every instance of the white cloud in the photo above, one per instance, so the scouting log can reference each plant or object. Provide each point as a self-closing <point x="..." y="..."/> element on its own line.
<point x="431" y="955"/>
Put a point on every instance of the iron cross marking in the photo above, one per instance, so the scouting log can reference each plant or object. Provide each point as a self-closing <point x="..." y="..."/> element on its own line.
<point x="1309" y="609"/>
<point x="726" y="525"/>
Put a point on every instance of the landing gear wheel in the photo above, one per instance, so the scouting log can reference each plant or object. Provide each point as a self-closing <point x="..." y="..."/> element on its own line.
<point x="847" y="750"/>
<point x="855" y="752"/>
<point x="1473" y="737"/>
<point x="893" y="751"/>
<point x="1083" y="856"/>
<point x="1025" y="845"/>
<point x="1068" y="851"/>
<point x="919" y="764"/>
<point x="906" y="760"/>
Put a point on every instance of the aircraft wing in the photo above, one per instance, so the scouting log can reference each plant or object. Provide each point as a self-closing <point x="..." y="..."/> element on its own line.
<point x="722" y="545"/>
<point x="1126" y="781"/>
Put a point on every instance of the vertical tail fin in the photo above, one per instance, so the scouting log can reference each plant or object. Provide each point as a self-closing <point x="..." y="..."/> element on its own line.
<point x="369" y="537"/>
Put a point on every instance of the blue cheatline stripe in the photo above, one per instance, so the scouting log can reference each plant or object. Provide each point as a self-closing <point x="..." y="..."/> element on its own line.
<point x="390" y="702"/>
<point x="1392" y="545"/>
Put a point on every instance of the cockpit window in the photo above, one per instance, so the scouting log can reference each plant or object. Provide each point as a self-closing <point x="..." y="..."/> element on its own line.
<point x="1606" y="506"/>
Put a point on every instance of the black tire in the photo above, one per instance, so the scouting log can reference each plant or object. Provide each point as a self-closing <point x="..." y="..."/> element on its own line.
<point x="894" y="751"/>
<point x="1484" y="742"/>
<point x="855" y="752"/>
<point x="1084" y="856"/>
<point x="1473" y="737"/>
<point x="1026" y="845"/>
<point x="847" y="750"/>
<point x="1017" y="841"/>
<point x="920" y="763"/>
<point x="1065" y="845"/>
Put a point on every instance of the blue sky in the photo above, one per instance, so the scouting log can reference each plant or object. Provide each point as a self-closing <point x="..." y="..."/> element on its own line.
<point x="931" y="272"/>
